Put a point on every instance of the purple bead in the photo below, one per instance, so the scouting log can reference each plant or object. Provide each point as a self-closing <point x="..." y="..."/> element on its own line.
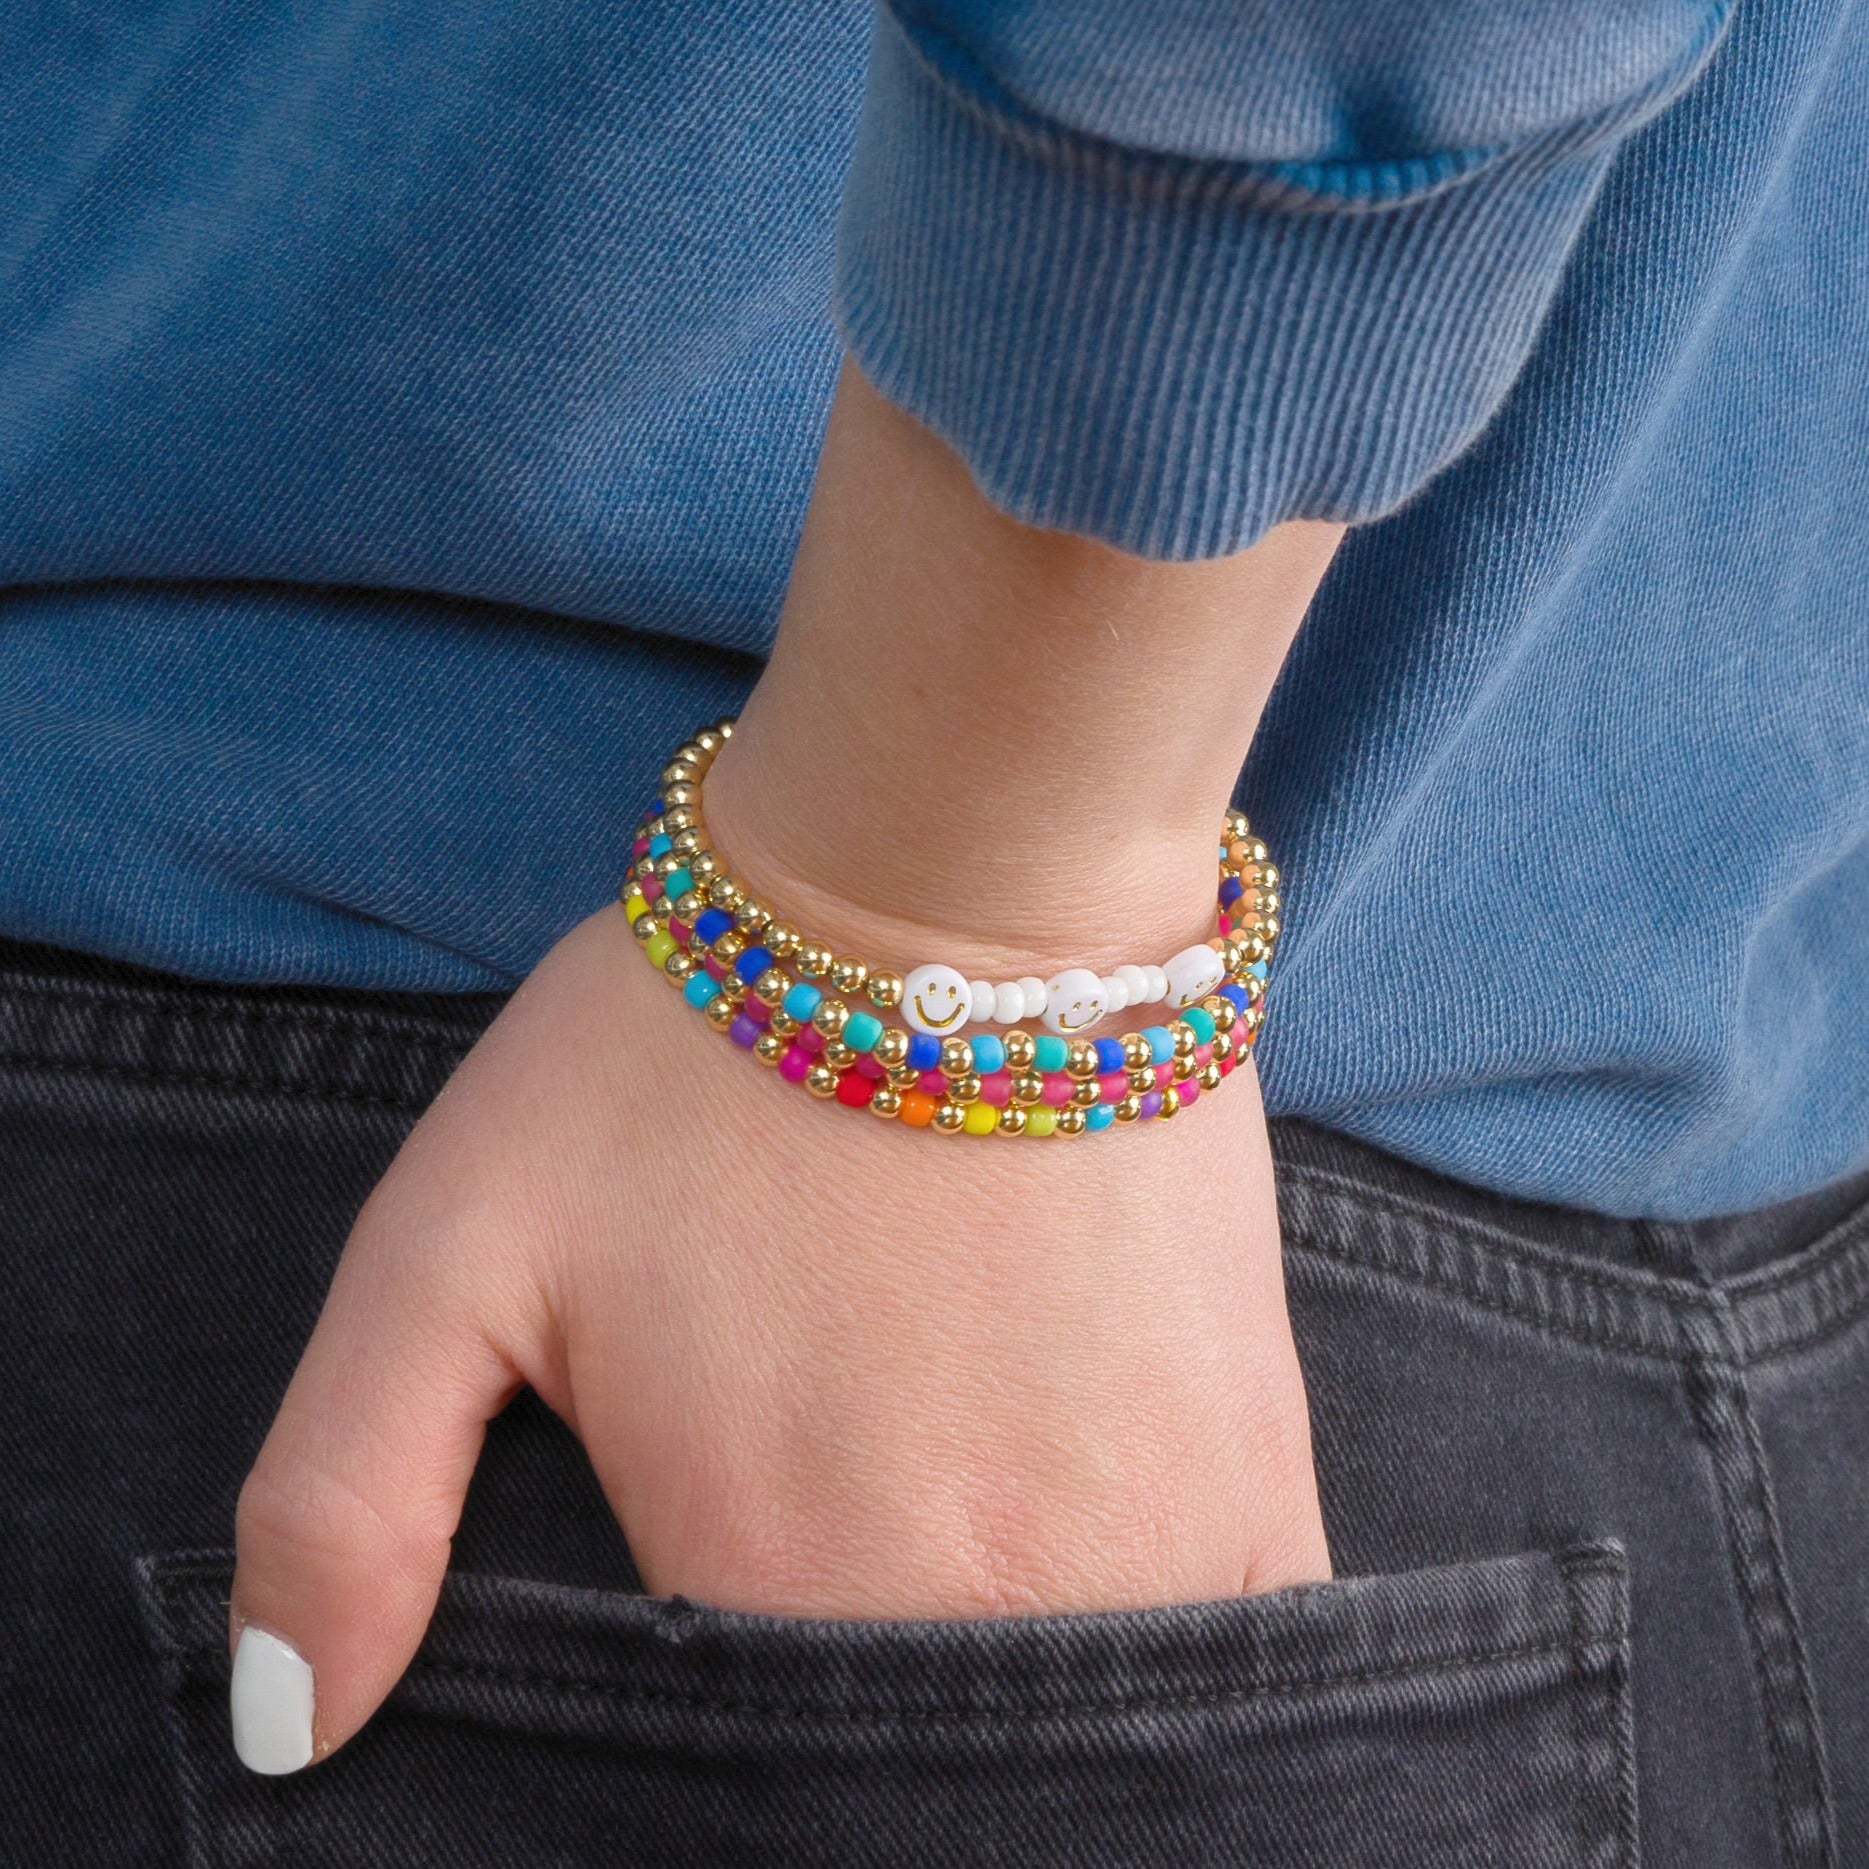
<point x="745" y="1034"/>
<point x="1151" y="1103"/>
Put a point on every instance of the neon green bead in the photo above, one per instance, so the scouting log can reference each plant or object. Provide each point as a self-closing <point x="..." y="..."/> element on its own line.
<point x="635" y="907"/>
<point x="982" y="1119"/>
<point x="659" y="946"/>
<point x="1040" y="1121"/>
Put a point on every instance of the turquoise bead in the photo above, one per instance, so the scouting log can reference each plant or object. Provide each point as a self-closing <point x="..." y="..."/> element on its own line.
<point x="677" y="883"/>
<point x="1202" y="1022"/>
<point x="989" y="1054"/>
<point x="701" y="988"/>
<point x="1051" y="1054"/>
<point x="1161" y="1042"/>
<point x="661" y="846"/>
<point x="1257" y="970"/>
<point x="862" y="1030"/>
<point x="802" y="1001"/>
<point x="1099" y="1116"/>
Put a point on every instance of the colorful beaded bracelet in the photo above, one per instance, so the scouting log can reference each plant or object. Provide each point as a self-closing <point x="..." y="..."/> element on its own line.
<point x="725" y="952"/>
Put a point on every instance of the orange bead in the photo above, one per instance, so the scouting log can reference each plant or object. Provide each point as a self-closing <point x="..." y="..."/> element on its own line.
<point x="917" y="1110"/>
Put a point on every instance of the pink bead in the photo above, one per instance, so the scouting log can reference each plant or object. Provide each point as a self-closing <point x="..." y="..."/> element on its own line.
<point x="757" y="1010"/>
<point x="679" y="929"/>
<point x="715" y="968"/>
<point x="932" y="1084"/>
<point x="1058" y="1090"/>
<point x="640" y="848"/>
<point x="868" y="1066"/>
<point x="1164" y="1076"/>
<point x="794" y="1065"/>
<point x="996" y="1089"/>
<point x="1227" y="1063"/>
<point x="1190" y="1093"/>
<point x="651" y="889"/>
<point x="1203" y="1054"/>
<point x="1115" y="1087"/>
<point x="811" y="1038"/>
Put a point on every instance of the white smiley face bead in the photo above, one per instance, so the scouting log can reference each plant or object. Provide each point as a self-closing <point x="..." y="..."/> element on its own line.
<point x="1192" y="975"/>
<point x="1074" y="999"/>
<point x="937" y="1000"/>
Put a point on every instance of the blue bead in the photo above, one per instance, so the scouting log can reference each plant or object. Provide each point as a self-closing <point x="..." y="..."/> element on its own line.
<point x="1258" y="969"/>
<point x="661" y="846"/>
<point x="1237" y="994"/>
<point x="1109" y="1056"/>
<point x="989" y="1054"/>
<point x="711" y="924"/>
<point x="1161" y="1042"/>
<point x="701" y="988"/>
<point x="802" y="1001"/>
<point x="656" y="807"/>
<point x="1099" y="1116"/>
<point x="754" y="962"/>
<point x="677" y="883"/>
<point x="1230" y="891"/>
<point x="925" y="1049"/>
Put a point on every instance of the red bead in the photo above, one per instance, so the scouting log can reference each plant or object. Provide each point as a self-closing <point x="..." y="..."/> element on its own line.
<point x="855" y="1089"/>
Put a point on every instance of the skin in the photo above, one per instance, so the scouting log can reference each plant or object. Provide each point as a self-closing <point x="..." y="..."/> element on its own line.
<point x="821" y="1364"/>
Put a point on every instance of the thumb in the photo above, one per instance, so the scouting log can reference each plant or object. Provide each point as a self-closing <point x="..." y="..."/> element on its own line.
<point x="345" y="1523"/>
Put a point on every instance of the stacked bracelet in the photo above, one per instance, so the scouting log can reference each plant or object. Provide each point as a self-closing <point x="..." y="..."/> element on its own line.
<point x="786" y="997"/>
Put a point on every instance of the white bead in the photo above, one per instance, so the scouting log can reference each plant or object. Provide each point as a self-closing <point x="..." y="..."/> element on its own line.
<point x="1135" y="985"/>
<point x="1158" y="984"/>
<point x="937" y="1000"/>
<point x="1034" y="991"/>
<point x="982" y="991"/>
<point x="1115" y="993"/>
<point x="1073" y="1000"/>
<point x="1009" y="1002"/>
<point x="1192" y="975"/>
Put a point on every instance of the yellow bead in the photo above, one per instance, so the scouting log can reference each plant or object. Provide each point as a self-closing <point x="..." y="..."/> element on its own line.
<point x="964" y="1089"/>
<point x="886" y="1102"/>
<point x="721" y="1012"/>
<point x="1136" y="1052"/>
<point x="831" y="1017"/>
<point x="848" y="974"/>
<point x="1128" y="1110"/>
<point x="1041" y="1122"/>
<point x="1071" y="1121"/>
<point x="1027" y="1087"/>
<point x="885" y="990"/>
<point x="956" y="1057"/>
<point x="1021" y="1050"/>
<point x="635" y="907"/>
<point x="660" y="946"/>
<point x="838" y="1055"/>
<point x="950" y="1119"/>
<point x="821" y="1081"/>
<point x="1080" y="1060"/>
<point x="1012" y="1120"/>
<point x="980" y="1119"/>
<point x="892" y="1048"/>
<point x="769" y="1048"/>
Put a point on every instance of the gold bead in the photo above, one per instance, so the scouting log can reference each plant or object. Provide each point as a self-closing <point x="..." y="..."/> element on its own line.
<point x="1212" y="1077"/>
<point x="668" y="865"/>
<point x="814" y="960"/>
<point x="1021" y="1050"/>
<point x="679" y="772"/>
<point x="1268" y="876"/>
<point x="677" y="818"/>
<point x="1071" y="1121"/>
<point x="771" y="987"/>
<point x="721" y="1012"/>
<point x="892" y="1048"/>
<point x="705" y="867"/>
<point x="750" y="917"/>
<point x="1256" y="851"/>
<point x="838" y="1055"/>
<point x="904" y="1076"/>
<point x="831" y="1017"/>
<point x="783" y="1023"/>
<point x="1224" y="1045"/>
<point x="724" y="726"/>
<point x="886" y="1101"/>
<point x="644" y="928"/>
<point x="950" y="1118"/>
<point x="956" y="1057"/>
<point x="1253" y="950"/>
<point x="965" y="1088"/>
<point x="1183" y="1035"/>
<point x="1086" y="1094"/>
<point x="1237" y="825"/>
<point x="1011" y="1120"/>
<point x="1027" y="1087"/>
<point x="1171" y="1101"/>
<point x="681" y="795"/>
<point x="1253" y="1018"/>
<point x="709" y="742"/>
<point x="689" y="906"/>
<point x="1271" y="927"/>
<point x="769" y="1047"/>
<point x="782" y="937"/>
<point x="729" y="948"/>
<point x="885" y="990"/>
<point x="1221" y="1012"/>
<point x="821" y="1081"/>
<point x="1128" y="1110"/>
<point x="848" y="974"/>
<point x="1270" y="903"/>
<point x="1229" y="952"/>
<point x="1136" y="1052"/>
<point x="1185" y="1068"/>
<point x="725" y="893"/>
<point x="1080" y="1059"/>
<point x="1142" y="1081"/>
<point x="686" y="845"/>
<point x="678" y="967"/>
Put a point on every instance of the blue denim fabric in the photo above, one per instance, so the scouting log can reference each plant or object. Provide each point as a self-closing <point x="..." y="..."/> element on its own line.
<point x="1594" y="1491"/>
<point x="382" y="394"/>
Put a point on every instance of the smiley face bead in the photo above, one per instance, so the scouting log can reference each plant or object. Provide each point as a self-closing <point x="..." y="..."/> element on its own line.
<point x="1192" y="975"/>
<point x="936" y="1000"/>
<point x="1074" y="1000"/>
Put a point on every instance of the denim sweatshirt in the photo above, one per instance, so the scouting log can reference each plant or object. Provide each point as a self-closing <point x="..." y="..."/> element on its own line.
<point x="407" y="414"/>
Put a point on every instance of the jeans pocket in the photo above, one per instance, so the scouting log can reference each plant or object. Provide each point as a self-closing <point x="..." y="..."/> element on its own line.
<point x="1475" y="1713"/>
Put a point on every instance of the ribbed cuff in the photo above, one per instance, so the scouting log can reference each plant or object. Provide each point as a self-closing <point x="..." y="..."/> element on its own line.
<point x="1174" y="355"/>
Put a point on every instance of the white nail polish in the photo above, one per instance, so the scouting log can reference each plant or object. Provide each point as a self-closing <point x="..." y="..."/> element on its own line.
<point x="271" y="1701"/>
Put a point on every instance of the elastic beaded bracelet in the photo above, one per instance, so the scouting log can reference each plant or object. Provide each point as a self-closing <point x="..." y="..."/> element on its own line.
<point x="725" y="952"/>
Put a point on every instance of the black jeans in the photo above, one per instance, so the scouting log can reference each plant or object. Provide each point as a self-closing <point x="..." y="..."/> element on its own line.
<point x="1597" y="1492"/>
